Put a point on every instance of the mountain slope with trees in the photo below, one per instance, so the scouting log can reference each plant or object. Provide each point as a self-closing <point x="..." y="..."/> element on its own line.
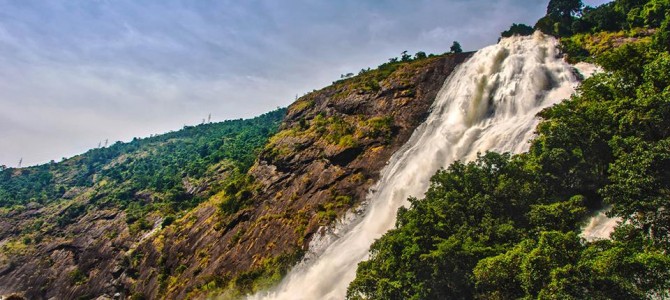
<point x="84" y="213"/>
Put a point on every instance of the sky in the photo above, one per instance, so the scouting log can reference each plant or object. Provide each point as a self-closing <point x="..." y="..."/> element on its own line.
<point x="74" y="73"/>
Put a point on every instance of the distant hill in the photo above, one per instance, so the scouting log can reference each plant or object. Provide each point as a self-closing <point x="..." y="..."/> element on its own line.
<point x="165" y="164"/>
<point x="137" y="183"/>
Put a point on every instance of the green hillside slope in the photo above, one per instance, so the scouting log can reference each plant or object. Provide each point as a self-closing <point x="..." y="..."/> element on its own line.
<point x="167" y="173"/>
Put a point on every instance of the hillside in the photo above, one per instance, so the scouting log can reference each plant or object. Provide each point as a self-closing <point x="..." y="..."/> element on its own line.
<point x="84" y="213"/>
<point x="178" y="215"/>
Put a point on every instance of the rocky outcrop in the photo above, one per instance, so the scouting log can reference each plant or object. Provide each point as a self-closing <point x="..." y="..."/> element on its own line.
<point x="79" y="261"/>
<point x="329" y="152"/>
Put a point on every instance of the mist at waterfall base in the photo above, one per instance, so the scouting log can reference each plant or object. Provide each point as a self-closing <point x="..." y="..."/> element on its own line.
<point x="490" y="102"/>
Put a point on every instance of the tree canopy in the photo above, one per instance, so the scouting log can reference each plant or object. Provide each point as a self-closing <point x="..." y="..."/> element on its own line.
<point x="456" y="48"/>
<point x="568" y="17"/>
<point x="518" y="29"/>
<point x="564" y="8"/>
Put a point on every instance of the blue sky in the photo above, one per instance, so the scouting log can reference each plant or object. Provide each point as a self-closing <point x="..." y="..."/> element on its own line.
<point x="76" y="72"/>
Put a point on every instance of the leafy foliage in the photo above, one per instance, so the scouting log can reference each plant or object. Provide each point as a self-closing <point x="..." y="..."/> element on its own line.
<point x="568" y="17"/>
<point x="456" y="47"/>
<point x="518" y="29"/>
<point x="587" y="46"/>
<point x="471" y="211"/>
<point x="559" y="266"/>
<point x="564" y="8"/>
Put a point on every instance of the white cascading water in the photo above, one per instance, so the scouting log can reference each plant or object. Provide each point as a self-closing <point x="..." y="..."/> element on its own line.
<point x="600" y="226"/>
<point x="490" y="102"/>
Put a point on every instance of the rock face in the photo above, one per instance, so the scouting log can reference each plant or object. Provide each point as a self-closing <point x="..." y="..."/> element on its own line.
<point x="79" y="261"/>
<point x="331" y="147"/>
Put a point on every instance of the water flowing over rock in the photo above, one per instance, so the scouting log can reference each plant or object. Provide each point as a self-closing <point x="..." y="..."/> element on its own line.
<point x="489" y="103"/>
<point x="600" y="226"/>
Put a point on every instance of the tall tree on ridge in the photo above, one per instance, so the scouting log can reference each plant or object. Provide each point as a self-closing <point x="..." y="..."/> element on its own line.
<point x="564" y="8"/>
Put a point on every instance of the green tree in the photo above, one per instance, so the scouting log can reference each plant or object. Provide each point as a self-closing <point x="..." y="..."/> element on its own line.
<point x="654" y="12"/>
<point x="518" y="29"/>
<point x="405" y="57"/>
<point x="561" y="266"/>
<point x="603" y="18"/>
<point x="546" y="25"/>
<point x="661" y="39"/>
<point x="558" y="216"/>
<point x="564" y="8"/>
<point x="640" y="186"/>
<point x="456" y="48"/>
<point x="466" y="215"/>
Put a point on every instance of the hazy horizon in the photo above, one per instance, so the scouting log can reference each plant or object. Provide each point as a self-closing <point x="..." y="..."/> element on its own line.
<point x="75" y="73"/>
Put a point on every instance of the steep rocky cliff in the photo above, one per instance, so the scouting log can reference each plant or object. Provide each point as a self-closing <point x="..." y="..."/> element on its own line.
<point x="329" y="151"/>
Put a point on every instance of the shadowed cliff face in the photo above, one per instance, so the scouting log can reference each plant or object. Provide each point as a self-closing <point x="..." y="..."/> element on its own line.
<point x="331" y="147"/>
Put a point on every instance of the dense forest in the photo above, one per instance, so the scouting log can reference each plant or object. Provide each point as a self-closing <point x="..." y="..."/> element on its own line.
<point x="508" y="226"/>
<point x="167" y="173"/>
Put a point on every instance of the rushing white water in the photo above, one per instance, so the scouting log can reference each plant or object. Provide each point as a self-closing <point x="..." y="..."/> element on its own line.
<point x="600" y="226"/>
<point x="489" y="103"/>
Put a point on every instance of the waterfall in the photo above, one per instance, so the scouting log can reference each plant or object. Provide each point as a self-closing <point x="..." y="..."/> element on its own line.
<point x="489" y="102"/>
<point x="600" y="226"/>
